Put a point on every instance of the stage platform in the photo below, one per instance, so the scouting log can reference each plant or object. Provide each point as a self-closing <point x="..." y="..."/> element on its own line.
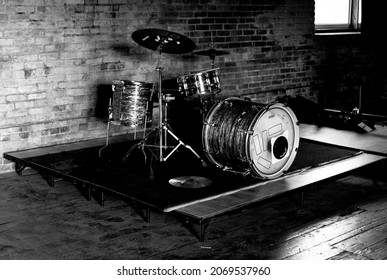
<point x="374" y="142"/>
<point x="100" y="174"/>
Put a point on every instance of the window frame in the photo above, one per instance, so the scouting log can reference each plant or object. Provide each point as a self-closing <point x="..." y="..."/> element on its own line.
<point x="353" y="25"/>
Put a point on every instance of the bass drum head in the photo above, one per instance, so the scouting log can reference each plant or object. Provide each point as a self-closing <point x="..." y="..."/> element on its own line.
<point x="273" y="141"/>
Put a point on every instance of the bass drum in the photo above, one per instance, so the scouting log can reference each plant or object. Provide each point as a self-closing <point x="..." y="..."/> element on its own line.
<point x="250" y="138"/>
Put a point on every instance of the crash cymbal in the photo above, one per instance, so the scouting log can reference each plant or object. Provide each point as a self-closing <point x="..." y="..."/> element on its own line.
<point x="211" y="52"/>
<point x="192" y="182"/>
<point x="163" y="40"/>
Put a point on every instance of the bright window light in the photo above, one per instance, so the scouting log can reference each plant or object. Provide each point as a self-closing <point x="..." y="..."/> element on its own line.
<point x="339" y="15"/>
<point x="329" y="12"/>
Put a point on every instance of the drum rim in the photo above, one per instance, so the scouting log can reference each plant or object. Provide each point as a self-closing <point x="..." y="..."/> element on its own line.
<point x="209" y="70"/>
<point x="131" y="82"/>
<point x="199" y="72"/>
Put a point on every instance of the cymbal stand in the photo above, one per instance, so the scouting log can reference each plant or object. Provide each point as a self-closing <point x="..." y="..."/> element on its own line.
<point x="163" y="130"/>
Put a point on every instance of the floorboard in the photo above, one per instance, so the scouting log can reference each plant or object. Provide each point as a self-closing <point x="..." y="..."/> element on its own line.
<point x="340" y="219"/>
<point x="41" y="222"/>
<point x="373" y="237"/>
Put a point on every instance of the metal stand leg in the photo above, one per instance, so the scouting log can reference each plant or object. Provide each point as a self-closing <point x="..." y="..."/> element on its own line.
<point x="180" y="143"/>
<point x="107" y="128"/>
<point x="162" y="130"/>
<point x="142" y="144"/>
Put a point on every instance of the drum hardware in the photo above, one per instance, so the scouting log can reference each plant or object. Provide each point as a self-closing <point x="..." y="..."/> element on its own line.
<point x="164" y="42"/>
<point x="168" y="97"/>
<point x="246" y="131"/>
<point x="110" y="117"/>
<point x="243" y="173"/>
<point x="210" y="124"/>
<point x="211" y="53"/>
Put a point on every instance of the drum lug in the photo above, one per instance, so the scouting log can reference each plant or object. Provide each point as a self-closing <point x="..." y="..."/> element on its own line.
<point x="227" y="102"/>
<point x="249" y="132"/>
<point x="245" y="173"/>
<point x="210" y="124"/>
<point x="226" y="168"/>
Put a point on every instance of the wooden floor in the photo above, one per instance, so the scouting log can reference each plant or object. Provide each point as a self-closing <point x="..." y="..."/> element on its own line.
<point x="342" y="219"/>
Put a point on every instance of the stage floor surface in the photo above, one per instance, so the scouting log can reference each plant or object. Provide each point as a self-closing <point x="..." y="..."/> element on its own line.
<point x="108" y="172"/>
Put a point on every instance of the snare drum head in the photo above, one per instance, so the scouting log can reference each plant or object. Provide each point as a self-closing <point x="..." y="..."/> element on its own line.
<point x="273" y="141"/>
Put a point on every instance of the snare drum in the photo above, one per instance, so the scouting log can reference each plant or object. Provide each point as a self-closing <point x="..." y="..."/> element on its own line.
<point x="131" y="103"/>
<point x="199" y="84"/>
<point x="249" y="138"/>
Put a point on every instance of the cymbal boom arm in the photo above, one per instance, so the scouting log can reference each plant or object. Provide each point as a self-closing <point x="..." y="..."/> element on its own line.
<point x="165" y="41"/>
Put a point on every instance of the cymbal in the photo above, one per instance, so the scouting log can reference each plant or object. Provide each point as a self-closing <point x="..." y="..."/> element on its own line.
<point x="163" y="40"/>
<point x="211" y="52"/>
<point x="190" y="182"/>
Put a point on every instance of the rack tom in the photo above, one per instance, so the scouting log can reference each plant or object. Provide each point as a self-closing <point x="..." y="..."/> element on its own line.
<point x="199" y="84"/>
<point x="131" y="104"/>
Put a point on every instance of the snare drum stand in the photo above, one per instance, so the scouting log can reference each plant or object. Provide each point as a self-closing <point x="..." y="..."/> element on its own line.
<point x="163" y="130"/>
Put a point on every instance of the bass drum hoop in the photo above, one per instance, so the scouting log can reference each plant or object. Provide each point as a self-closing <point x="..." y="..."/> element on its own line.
<point x="292" y="150"/>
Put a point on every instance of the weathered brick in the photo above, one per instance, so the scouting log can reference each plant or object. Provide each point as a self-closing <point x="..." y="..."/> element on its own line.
<point x="55" y="54"/>
<point x="7" y="107"/>
<point x="16" y="98"/>
<point x="27" y="88"/>
<point x="14" y="115"/>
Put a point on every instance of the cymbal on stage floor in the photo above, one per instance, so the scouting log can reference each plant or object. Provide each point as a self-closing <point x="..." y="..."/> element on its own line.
<point x="192" y="182"/>
<point x="163" y="40"/>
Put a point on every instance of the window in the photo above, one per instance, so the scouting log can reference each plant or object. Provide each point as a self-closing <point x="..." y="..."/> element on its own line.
<point x="337" y="15"/>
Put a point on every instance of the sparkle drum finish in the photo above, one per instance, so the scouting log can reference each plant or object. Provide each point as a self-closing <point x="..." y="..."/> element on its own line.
<point x="131" y="103"/>
<point x="250" y="138"/>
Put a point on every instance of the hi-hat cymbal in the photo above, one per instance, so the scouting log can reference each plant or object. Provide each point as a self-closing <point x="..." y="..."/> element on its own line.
<point x="163" y="40"/>
<point x="211" y="52"/>
<point x="192" y="182"/>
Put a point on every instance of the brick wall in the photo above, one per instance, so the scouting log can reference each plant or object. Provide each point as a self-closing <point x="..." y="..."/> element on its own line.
<point x="58" y="57"/>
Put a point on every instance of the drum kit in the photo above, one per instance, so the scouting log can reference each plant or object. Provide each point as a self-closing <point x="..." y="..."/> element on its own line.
<point x="238" y="136"/>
